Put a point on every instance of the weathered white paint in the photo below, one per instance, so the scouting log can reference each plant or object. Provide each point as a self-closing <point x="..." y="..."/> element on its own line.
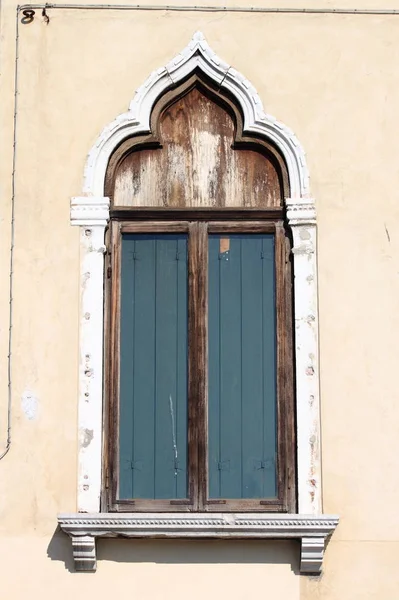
<point x="302" y="220"/>
<point x="92" y="214"/>
<point x="29" y="405"/>
<point x="311" y="530"/>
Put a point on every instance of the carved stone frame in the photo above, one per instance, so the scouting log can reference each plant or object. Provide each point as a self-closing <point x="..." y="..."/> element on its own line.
<point x="91" y="213"/>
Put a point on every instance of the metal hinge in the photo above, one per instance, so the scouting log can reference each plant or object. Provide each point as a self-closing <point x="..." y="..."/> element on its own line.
<point x="109" y="271"/>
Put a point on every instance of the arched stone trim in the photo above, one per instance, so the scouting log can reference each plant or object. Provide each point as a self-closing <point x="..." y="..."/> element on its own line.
<point x="197" y="55"/>
<point x="91" y="212"/>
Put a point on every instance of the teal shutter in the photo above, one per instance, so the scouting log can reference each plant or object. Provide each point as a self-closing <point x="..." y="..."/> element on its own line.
<point x="153" y="367"/>
<point x="242" y="367"/>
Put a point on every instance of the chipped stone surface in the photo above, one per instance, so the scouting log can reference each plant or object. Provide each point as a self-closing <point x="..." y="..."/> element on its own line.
<point x="302" y="220"/>
<point x="86" y="436"/>
<point x="91" y="214"/>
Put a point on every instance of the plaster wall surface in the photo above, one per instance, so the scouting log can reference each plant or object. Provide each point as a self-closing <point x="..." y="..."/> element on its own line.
<point x="333" y="79"/>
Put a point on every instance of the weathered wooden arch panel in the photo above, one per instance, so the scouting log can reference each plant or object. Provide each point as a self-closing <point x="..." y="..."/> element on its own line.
<point x="196" y="157"/>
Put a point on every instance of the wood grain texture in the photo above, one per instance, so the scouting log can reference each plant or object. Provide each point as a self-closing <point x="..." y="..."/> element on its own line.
<point x="197" y="164"/>
<point x="285" y="372"/>
<point x="163" y="215"/>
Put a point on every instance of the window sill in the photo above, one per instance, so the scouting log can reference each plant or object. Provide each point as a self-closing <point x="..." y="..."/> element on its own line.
<point x="84" y="528"/>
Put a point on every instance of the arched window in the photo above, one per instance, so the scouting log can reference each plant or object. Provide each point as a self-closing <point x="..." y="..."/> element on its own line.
<point x="199" y="377"/>
<point x="199" y="331"/>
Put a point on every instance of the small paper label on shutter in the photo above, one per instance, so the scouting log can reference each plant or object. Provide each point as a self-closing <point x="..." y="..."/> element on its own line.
<point x="224" y="245"/>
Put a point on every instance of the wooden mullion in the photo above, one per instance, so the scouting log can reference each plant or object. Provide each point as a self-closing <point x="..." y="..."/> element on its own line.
<point x="114" y="359"/>
<point x="193" y="384"/>
<point x="202" y="363"/>
<point x="285" y="435"/>
<point x="197" y="389"/>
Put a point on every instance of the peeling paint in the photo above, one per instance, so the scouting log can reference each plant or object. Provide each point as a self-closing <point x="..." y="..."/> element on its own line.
<point x="86" y="436"/>
<point x="29" y="404"/>
<point x="304" y="233"/>
<point x="197" y="165"/>
<point x="224" y="245"/>
<point x="301" y="250"/>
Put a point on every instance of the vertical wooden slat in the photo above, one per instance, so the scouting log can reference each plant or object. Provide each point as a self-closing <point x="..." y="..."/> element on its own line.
<point x="126" y="409"/>
<point x="253" y="363"/>
<point x="181" y="425"/>
<point x="170" y="464"/>
<point x="230" y="368"/>
<point x="214" y="368"/>
<point x="269" y="367"/>
<point x="165" y="367"/>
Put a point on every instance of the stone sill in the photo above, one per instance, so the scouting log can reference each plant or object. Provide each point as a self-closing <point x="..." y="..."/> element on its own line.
<point x="312" y="531"/>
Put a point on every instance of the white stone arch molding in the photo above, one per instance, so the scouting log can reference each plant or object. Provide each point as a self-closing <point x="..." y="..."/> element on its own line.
<point x="91" y="213"/>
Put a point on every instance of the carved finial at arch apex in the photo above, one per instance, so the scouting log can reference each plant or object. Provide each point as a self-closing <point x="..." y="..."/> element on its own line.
<point x="197" y="55"/>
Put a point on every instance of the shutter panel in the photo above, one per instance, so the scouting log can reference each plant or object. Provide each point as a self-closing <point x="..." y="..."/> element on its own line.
<point x="153" y="367"/>
<point x="242" y="367"/>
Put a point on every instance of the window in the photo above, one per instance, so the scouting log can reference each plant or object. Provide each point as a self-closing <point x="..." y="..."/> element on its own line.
<point x="201" y="411"/>
<point x="150" y="166"/>
<point x="200" y="379"/>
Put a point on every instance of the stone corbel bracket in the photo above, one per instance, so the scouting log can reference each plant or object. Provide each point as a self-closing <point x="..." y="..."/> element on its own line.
<point x="311" y="530"/>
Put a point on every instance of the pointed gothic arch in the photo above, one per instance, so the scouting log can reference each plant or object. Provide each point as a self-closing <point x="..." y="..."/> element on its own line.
<point x="197" y="56"/>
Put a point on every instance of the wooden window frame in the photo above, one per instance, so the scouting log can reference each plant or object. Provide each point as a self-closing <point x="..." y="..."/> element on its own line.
<point x="198" y="223"/>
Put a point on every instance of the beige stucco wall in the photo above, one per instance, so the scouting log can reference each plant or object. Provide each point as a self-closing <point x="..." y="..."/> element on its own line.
<point x="334" y="80"/>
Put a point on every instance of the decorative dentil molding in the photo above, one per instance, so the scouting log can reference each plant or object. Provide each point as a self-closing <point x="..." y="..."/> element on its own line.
<point x="89" y="210"/>
<point x="301" y="213"/>
<point x="196" y="56"/>
<point x="311" y="530"/>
